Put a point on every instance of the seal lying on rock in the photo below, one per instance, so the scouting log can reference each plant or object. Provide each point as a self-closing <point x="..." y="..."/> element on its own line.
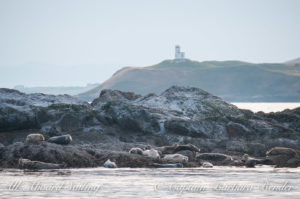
<point x="177" y="165"/>
<point x="216" y="158"/>
<point x="63" y="139"/>
<point x="109" y="164"/>
<point x="34" y="138"/>
<point x="284" y="157"/>
<point x="36" y="165"/>
<point x="207" y="165"/>
<point x="152" y="153"/>
<point x="136" y="150"/>
<point x="175" y="158"/>
<point x="175" y="148"/>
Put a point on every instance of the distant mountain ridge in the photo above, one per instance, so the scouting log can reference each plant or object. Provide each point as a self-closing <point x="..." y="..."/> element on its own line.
<point x="235" y="81"/>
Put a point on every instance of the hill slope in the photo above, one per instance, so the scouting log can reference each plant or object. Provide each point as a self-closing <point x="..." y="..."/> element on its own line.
<point x="231" y="80"/>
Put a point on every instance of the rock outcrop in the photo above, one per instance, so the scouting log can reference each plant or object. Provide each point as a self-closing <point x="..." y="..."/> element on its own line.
<point x="181" y="113"/>
<point x="181" y="120"/>
<point x="28" y="111"/>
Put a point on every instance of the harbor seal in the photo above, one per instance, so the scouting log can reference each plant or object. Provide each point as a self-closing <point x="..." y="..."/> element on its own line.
<point x="207" y="165"/>
<point x="152" y="153"/>
<point x="136" y="150"/>
<point x="34" y="138"/>
<point x="177" y="165"/>
<point x="175" y="158"/>
<point x="109" y="164"/>
<point x="36" y="165"/>
<point x="63" y="139"/>
<point x="176" y="148"/>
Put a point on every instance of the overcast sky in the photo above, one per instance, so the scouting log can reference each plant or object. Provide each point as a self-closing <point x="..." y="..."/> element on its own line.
<point x="69" y="42"/>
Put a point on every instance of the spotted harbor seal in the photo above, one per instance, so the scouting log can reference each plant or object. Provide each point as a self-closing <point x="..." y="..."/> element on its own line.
<point x="177" y="165"/>
<point x="136" y="150"/>
<point x="34" y="138"/>
<point x="176" y="148"/>
<point x="36" y="165"/>
<point x="152" y="153"/>
<point x="207" y="165"/>
<point x="63" y="139"/>
<point x="109" y="164"/>
<point x="175" y="158"/>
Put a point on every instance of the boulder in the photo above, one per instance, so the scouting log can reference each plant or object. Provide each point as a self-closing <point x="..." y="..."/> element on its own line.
<point x="34" y="138"/>
<point x="284" y="157"/>
<point x="63" y="139"/>
<point x="109" y="164"/>
<point x="175" y="158"/>
<point x="37" y="165"/>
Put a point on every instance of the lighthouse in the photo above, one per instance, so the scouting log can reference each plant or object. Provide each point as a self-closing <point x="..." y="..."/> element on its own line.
<point x="179" y="56"/>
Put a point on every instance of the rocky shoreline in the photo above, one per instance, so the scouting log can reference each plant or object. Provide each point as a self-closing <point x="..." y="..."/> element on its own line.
<point x="183" y="126"/>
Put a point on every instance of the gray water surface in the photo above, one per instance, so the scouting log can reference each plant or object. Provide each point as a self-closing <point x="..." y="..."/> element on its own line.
<point x="218" y="182"/>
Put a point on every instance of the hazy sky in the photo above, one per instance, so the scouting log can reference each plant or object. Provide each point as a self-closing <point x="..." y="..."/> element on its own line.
<point x="69" y="42"/>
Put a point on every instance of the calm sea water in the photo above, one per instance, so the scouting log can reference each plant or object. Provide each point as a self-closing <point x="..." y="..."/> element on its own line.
<point x="267" y="107"/>
<point x="219" y="182"/>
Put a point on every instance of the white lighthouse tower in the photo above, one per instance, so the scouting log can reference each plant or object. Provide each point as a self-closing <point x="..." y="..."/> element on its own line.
<point x="179" y="56"/>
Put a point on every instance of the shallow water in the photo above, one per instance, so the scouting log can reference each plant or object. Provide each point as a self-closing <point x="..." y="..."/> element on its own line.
<point x="267" y="107"/>
<point x="218" y="182"/>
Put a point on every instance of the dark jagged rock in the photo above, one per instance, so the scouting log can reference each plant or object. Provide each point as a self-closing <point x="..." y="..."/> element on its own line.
<point x="192" y="112"/>
<point x="30" y="111"/>
<point x="289" y="118"/>
<point x="114" y="95"/>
